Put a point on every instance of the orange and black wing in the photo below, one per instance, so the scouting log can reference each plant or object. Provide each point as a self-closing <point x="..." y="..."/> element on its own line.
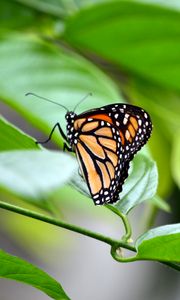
<point x="135" y="128"/>
<point x="107" y="139"/>
<point x="134" y="125"/>
<point x="99" y="152"/>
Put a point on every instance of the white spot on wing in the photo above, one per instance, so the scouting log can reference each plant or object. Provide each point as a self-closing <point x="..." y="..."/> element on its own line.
<point x="125" y="121"/>
<point x="116" y="116"/>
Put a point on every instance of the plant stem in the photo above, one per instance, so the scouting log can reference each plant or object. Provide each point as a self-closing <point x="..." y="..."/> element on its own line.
<point x="115" y="244"/>
<point x="59" y="223"/>
<point x="127" y="226"/>
<point x="118" y="256"/>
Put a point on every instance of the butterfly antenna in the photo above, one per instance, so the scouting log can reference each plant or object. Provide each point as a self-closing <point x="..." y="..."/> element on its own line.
<point x="89" y="94"/>
<point x="43" y="98"/>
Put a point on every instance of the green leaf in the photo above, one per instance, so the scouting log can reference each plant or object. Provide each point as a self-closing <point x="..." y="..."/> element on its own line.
<point x="34" y="175"/>
<point x="122" y="33"/>
<point x="13" y="138"/>
<point x="50" y="72"/>
<point x="173" y="4"/>
<point x="141" y="185"/>
<point x="161" y="243"/>
<point x="36" y="17"/>
<point x="175" y="159"/>
<point x="15" y="16"/>
<point x="79" y="184"/>
<point x="70" y="79"/>
<point x="12" y="267"/>
<point x="57" y="8"/>
<point x="53" y="7"/>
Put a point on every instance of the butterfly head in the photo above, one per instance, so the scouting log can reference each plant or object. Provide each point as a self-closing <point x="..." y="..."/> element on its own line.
<point x="70" y="115"/>
<point x="70" y="118"/>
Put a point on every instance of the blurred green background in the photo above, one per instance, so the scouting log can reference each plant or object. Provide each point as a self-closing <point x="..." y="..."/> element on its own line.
<point x="125" y="51"/>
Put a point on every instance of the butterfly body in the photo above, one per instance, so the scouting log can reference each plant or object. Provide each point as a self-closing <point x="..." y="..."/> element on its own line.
<point x="105" y="141"/>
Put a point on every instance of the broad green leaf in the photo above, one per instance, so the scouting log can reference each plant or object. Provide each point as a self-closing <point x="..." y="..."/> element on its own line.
<point x="12" y="267"/>
<point x="173" y="4"/>
<point x="15" y="16"/>
<point x="161" y="243"/>
<point x="50" y="72"/>
<point x="175" y="159"/>
<point x="52" y="7"/>
<point x="122" y="33"/>
<point x="79" y="184"/>
<point x="141" y="184"/>
<point x="13" y="138"/>
<point x="35" y="174"/>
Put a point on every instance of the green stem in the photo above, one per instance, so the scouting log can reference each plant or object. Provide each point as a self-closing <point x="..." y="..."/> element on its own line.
<point x="115" y="244"/>
<point x="119" y="256"/>
<point x="127" y="226"/>
<point x="59" y="223"/>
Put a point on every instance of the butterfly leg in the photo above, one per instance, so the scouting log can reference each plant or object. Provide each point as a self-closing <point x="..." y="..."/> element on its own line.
<point x="51" y="133"/>
<point x="66" y="147"/>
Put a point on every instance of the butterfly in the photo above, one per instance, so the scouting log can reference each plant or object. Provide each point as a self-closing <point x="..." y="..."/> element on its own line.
<point x="105" y="140"/>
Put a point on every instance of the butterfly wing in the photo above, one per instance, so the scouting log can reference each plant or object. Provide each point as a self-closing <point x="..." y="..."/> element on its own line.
<point x="98" y="150"/>
<point x="134" y="125"/>
<point x="107" y="139"/>
<point x="135" y="128"/>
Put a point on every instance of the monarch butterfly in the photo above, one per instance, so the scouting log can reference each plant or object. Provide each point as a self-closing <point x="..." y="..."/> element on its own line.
<point x="105" y="140"/>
